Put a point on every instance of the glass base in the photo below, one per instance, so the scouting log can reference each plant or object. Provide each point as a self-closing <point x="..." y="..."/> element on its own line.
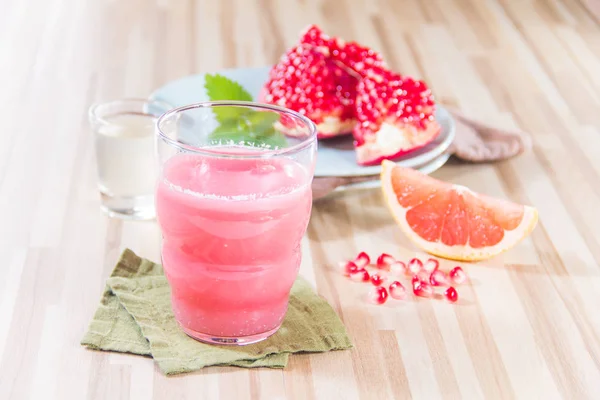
<point x="131" y="208"/>
<point x="239" y="341"/>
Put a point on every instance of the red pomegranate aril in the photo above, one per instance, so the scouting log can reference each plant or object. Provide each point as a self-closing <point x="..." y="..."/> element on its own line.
<point x="397" y="291"/>
<point x="439" y="278"/>
<point x="416" y="282"/>
<point x="310" y="82"/>
<point x="362" y="259"/>
<point x="390" y="105"/>
<point x="355" y="56"/>
<point x="378" y="295"/>
<point x="451" y="294"/>
<point x="377" y="279"/>
<point x="415" y="265"/>
<point x="348" y="268"/>
<point x="423" y="276"/>
<point x="431" y="265"/>
<point x="458" y="276"/>
<point x="362" y="275"/>
<point x="384" y="260"/>
<point x="423" y="290"/>
<point x="398" y="268"/>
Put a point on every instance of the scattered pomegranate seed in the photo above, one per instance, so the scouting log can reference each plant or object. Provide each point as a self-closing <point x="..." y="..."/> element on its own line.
<point x="362" y="275"/>
<point x="431" y="265"/>
<point x="397" y="291"/>
<point x="362" y="260"/>
<point x="458" y="276"/>
<point x="423" y="276"/>
<point x="378" y="295"/>
<point x="451" y="294"/>
<point x="398" y="268"/>
<point x="348" y="267"/>
<point x="385" y="260"/>
<point x="439" y="278"/>
<point x="415" y="265"/>
<point x="377" y="279"/>
<point x="423" y="289"/>
<point x="416" y="282"/>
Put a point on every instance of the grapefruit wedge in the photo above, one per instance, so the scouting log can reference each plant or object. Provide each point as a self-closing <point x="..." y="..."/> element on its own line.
<point x="451" y="221"/>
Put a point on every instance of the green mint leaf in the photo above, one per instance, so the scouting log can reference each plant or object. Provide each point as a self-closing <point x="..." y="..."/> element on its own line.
<point x="255" y="129"/>
<point x="219" y="87"/>
<point x="237" y="124"/>
<point x="262" y="120"/>
<point x="272" y="138"/>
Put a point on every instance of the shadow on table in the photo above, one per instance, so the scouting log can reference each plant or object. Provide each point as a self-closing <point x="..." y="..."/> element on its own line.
<point x="345" y="214"/>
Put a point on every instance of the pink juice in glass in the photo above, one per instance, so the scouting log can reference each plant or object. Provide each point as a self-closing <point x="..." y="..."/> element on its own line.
<point x="231" y="241"/>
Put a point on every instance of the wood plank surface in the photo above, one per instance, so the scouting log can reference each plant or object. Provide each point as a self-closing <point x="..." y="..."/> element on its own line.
<point x="529" y="325"/>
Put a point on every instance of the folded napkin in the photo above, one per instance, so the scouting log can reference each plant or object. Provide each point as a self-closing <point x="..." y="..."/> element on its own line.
<point x="135" y="316"/>
<point x="477" y="141"/>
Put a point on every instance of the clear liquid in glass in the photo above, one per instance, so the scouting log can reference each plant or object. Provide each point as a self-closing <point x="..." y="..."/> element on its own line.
<point x="126" y="165"/>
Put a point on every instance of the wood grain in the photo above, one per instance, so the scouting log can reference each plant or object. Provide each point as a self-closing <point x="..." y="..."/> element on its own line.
<point x="528" y="327"/>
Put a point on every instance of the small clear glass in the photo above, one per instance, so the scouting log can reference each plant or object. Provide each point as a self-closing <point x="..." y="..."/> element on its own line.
<point x="233" y="201"/>
<point x="124" y="143"/>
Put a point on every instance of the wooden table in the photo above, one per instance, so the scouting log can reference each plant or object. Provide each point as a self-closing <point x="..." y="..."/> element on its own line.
<point x="529" y="326"/>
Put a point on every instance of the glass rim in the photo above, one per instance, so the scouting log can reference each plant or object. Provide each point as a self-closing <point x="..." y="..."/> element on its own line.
<point x="92" y="111"/>
<point x="261" y="153"/>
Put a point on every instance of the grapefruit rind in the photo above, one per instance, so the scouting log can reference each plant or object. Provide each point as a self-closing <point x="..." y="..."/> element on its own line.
<point x="461" y="252"/>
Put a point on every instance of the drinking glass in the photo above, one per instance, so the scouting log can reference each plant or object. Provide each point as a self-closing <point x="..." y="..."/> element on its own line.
<point x="124" y="143"/>
<point x="233" y="201"/>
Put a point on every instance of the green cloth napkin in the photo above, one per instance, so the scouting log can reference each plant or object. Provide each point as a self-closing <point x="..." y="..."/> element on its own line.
<point x="135" y="316"/>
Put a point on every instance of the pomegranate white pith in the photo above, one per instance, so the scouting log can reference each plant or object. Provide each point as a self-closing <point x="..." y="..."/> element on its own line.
<point x="331" y="126"/>
<point x="391" y="142"/>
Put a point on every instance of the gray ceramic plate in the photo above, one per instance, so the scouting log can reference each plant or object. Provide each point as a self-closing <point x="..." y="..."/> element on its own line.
<point x="336" y="156"/>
